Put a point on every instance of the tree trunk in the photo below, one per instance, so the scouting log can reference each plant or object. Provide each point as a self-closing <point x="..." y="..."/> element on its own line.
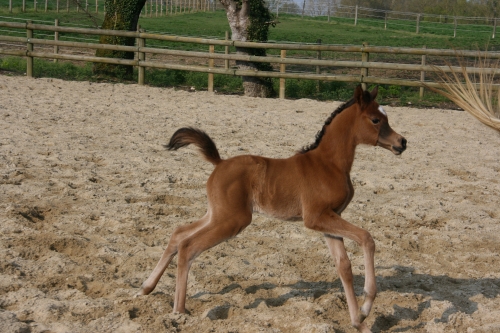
<point x="249" y="21"/>
<point x="120" y="15"/>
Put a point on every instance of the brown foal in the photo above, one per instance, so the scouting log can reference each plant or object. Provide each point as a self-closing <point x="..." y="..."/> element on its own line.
<point x="314" y="185"/>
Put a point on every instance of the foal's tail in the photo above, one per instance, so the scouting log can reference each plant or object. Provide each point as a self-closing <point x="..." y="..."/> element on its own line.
<point x="189" y="135"/>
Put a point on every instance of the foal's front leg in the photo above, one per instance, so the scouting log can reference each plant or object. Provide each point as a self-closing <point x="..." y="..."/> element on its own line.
<point x="334" y="228"/>
<point x="343" y="264"/>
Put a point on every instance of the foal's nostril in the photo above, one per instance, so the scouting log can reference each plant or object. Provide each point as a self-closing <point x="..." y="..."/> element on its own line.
<point x="403" y="143"/>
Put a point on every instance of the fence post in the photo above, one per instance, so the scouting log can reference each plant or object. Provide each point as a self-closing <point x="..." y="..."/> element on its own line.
<point x="385" y="21"/>
<point x="57" y="6"/>
<point x="24" y="6"/>
<point x="34" y="5"/>
<point x="418" y="23"/>
<point x="318" y="68"/>
<point x="67" y="6"/>
<point x="96" y="6"/>
<point x="56" y="38"/>
<point x="141" y="56"/>
<point x="365" y="57"/>
<point x="454" y="27"/>
<point x="29" y="48"/>
<point x="226" y="51"/>
<point x="494" y="28"/>
<point x="422" y="74"/>
<point x="211" y="49"/>
<point x="356" y="16"/>
<point x="282" y="80"/>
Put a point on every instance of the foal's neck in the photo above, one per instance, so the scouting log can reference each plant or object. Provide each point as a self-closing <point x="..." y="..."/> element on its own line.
<point x="338" y="145"/>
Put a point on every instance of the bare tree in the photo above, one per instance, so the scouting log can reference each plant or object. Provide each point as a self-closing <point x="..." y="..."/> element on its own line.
<point x="318" y="7"/>
<point x="492" y="7"/>
<point x="477" y="8"/>
<point x="120" y="15"/>
<point x="283" y="6"/>
<point x="249" y="20"/>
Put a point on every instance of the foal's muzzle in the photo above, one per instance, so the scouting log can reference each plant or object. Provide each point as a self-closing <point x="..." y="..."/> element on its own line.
<point x="399" y="149"/>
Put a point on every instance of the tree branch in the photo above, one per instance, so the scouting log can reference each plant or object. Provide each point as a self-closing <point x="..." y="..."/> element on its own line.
<point x="86" y="12"/>
<point x="245" y="8"/>
<point x="228" y="4"/>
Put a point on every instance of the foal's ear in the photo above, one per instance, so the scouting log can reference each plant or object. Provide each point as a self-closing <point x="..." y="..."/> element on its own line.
<point x="362" y="97"/>
<point x="358" y="94"/>
<point x="374" y="93"/>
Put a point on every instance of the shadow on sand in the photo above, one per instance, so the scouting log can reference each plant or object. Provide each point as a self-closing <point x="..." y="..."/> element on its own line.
<point x="432" y="288"/>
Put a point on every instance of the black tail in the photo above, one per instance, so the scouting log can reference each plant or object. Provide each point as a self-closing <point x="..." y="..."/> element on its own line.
<point x="189" y="135"/>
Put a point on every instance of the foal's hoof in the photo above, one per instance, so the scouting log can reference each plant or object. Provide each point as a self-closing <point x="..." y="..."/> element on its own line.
<point x="144" y="291"/>
<point x="361" y="316"/>
<point x="141" y="292"/>
<point x="361" y="327"/>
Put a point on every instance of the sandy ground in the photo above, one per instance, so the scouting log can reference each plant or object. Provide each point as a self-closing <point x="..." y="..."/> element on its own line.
<point x="89" y="197"/>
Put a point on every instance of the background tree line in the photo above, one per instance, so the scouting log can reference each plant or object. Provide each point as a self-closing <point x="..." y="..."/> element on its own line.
<point x="465" y="8"/>
<point x="471" y="8"/>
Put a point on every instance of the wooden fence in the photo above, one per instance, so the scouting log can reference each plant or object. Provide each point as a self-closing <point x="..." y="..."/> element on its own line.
<point x="364" y="65"/>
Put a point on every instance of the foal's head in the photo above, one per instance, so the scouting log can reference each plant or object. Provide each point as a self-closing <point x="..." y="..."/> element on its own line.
<point x="372" y="126"/>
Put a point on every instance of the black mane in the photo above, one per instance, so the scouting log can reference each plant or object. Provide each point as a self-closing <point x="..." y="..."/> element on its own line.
<point x="320" y="134"/>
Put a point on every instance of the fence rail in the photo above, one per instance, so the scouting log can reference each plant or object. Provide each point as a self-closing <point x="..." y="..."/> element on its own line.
<point x="28" y="44"/>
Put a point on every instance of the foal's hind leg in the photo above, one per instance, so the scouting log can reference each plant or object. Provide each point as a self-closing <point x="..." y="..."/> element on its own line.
<point x="177" y="236"/>
<point x="218" y="230"/>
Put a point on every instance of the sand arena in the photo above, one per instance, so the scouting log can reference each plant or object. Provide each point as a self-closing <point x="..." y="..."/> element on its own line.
<point x="89" y="197"/>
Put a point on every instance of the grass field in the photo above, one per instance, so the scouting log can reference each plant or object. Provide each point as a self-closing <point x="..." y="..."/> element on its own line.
<point x="291" y="28"/>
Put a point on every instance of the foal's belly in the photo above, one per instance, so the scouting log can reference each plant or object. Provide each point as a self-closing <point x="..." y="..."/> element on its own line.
<point x="287" y="213"/>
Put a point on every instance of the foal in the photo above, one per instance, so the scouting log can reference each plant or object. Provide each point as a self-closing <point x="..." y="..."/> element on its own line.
<point x="314" y="185"/>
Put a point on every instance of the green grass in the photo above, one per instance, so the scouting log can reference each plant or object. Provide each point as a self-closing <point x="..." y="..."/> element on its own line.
<point x="44" y="68"/>
<point x="293" y="28"/>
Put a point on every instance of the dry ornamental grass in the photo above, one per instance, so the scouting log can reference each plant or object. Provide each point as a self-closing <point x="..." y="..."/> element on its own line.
<point x="475" y="93"/>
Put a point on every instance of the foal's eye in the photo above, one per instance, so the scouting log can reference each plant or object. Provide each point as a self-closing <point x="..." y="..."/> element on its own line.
<point x="375" y="121"/>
